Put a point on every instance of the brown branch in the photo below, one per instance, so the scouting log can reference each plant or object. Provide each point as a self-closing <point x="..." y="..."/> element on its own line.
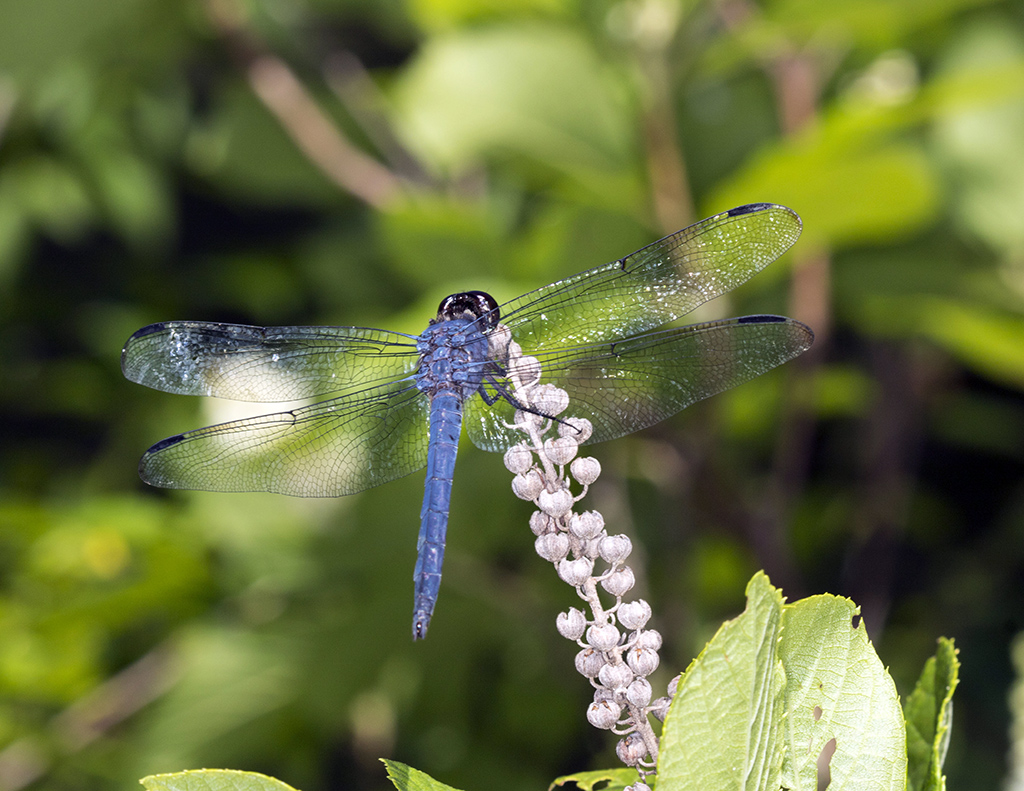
<point x="353" y="86"/>
<point x="316" y="136"/>
<point x="666" y="166"/>
<point x="294" y="107"/>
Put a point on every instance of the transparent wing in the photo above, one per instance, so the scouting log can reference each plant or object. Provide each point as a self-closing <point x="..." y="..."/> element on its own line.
<point x="655" y="285"/>
<point x="628" y="385"/>
<point x="336" y="447"/>
<point x="264" y="363"/>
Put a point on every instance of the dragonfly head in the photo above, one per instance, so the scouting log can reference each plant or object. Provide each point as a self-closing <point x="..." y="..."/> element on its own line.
<point x="469" y="305"/>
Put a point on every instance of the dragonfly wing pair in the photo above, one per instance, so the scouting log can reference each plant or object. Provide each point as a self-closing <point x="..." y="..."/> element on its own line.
<point x="591" y="333"/>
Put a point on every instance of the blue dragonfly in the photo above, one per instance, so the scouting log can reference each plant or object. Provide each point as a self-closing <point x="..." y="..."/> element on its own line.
<point x="394" y="403"/>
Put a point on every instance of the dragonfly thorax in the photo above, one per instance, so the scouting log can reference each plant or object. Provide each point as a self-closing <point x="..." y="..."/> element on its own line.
<point x="468" y="305"/>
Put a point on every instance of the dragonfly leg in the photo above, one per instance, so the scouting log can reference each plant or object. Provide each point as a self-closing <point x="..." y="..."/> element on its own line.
<point x="502" y="393"/>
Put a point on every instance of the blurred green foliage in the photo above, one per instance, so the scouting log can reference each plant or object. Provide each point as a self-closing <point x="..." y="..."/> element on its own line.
<point x="152" y="167"/>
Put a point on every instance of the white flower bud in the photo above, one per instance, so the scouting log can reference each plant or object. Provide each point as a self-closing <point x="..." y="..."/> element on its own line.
<point x="590" y="549"/>
<point x="634" y="614"/>
<point x="615" y="549"/>
<point x="561" y="450"/>
<point x="553" y="547"/>
<point x="643" y="661"/>
<point x="575" y="572"/>
<point x="589" y="662"/>
<point x="549" y="400"/>
<point x="639" y="692"/>
<point x="604" y="714"/>
<point x="571" y="624"/>
<point x="587" y="525"/>
<point x="541" y="523"/>
<point x="525" y="421"/>
<point x="615" y="676"/>
<point x="619" y="581"/>
<point x="660" y="707"/>
<point x="527" y="369"/>
<point x="578" y="428"/>
<point x="650" y="639"/>
<point x="586" y="469"/>
<point x="639" y="785"/>
<point x="528" y="485"/>
<point x="556" y="503"/>
<point x="631" y="750"/>
<point x="499" y="342"/>
<point x="673" y="685"/>
<point x="603" y="636"/>
<point x="518" y="459"/>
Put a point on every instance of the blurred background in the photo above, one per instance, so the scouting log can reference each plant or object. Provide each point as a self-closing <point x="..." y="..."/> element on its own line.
<point x="352" y="162"/>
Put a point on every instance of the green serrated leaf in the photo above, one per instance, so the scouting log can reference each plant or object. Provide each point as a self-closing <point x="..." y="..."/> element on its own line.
<point x="213" y="780"/>
<point x="839" y="698"/>
<point x="929" y="715"/>
<point x="406" y="778"/>
<point x="616" y="779"/>
<point x="722" y="730"/>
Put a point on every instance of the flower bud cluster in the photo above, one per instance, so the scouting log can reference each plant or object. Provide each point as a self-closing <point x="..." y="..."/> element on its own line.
<point x="617" y="650"/>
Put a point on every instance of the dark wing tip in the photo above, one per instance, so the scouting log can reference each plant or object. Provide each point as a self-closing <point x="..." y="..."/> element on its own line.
<point x="769" y="318"/>
<point x="752" y="208"/>
<point x="149" y="329"/>
<point x="145" y="472"/>
<point x="165" y="443"/>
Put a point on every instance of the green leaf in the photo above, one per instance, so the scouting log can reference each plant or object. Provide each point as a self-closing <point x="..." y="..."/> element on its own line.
<point x="538" y="90"/>
<point x="213" y="780"/>
<point x="132" y="193"/>
<point x="406" y="778"/>
<point x="229" y="678"/>
<point x="777" y="689"/>
<point x="50" y="194"/>
<point x="243" y="132"/>
<point x="838" y="696"/>
<point x="803" y="174"/>
<point x="36" y="34"/>
<point x="929" y="715"/>
<point x="722" y="731"/>
<point x="986" y="340"/>
<point x="420" y="232"/>
<point x="978" y="94"/>
<point x="616" y="779"/>
<point x="446" y="14"/>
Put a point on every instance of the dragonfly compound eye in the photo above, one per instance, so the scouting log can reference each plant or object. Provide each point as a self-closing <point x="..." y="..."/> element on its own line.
<point x="469" y="305"/>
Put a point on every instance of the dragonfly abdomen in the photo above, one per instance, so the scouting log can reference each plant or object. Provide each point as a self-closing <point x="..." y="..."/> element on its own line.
<point x="445" y="426"/>
<point x="451" y="370"/>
